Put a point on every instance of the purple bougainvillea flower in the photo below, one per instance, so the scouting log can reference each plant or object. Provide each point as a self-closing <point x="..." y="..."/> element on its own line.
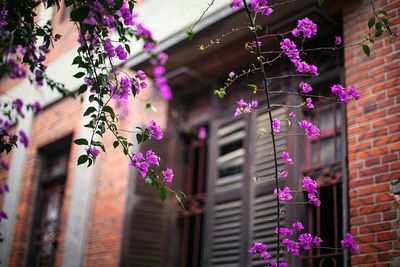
<point x="202" y="133"/>
<point x="155" y="130"/>
<point x="338" y="40"/>
<point x="23" y="138"/>
<point x="168" y="175"/>
<point x="298" y="226"/>
<point x="283" y="194"/>
<point x="349" y="242"/>
<point x="94" y="151"/>
<point x="276" y="125"/>
<point x="305" y="28"/>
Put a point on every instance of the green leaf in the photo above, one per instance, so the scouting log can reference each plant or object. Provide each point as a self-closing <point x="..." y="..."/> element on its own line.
<point x="79" y="75"/>
<point x="320" y="2"/>
<point x="82" y="89"/>
<point x="40" y="31"/>
<point x="190" y="33"/>
<point x="163" y="193"/>
<point x="118" y="4"/>
<point x="79" y="14"/>
<point x="381" y="11"/>
<point x="179" y="198"/>
<point x="378" y="26"/>
<point x="150" y="106"/>
<point x="115" y="144"/>
<point x="378" y="33"/>
<point x="220" y="93"/>
<point x="77" y="60"/>
<point x="139" y="138"/>
<point x="109" y="110"/>
<point x="366" y="49"/>
<point x="89" y="111"/>
<point x="128" y="49"/>
<point x="81" y="141"/>
<point x="371" y="22"/>
<point x="82" y="159"/>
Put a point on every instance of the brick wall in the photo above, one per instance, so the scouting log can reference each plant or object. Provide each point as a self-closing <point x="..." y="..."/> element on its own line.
<point x="112" y="173"/>
<point x="373" y="136"/>
<point x="49" y="126"/>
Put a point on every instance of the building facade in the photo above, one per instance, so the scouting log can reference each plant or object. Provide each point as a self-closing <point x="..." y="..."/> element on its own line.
<point x="61" y="214"/>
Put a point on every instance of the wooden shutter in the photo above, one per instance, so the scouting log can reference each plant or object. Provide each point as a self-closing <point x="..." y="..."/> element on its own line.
<point x="264" y="205"/>
<point x="146" y="234"/>
<point x="225" y="188"/>
<point x="239" y="210"/>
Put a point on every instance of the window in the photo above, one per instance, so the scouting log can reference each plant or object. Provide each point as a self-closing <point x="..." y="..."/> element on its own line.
<point x="326" y="148"/>
<point x="47" y="234"/>
<point x="51" y="187"/>
<point x="324" y="164"/>
<point x="191" y="219"/>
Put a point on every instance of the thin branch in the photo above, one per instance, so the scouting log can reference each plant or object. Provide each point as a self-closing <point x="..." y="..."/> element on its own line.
<point x="265" y="85"/>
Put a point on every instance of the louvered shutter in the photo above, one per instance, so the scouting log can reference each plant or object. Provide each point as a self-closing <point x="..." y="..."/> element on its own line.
<point x="264" y="203"/>
<point x="239" y="210"/>
<point x="147" y="231"/>
<point x="225" y="205"/>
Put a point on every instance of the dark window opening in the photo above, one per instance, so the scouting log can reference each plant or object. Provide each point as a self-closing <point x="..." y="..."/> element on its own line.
<point x="326" y="222"/>
<point x="191" y="219"/>
<point x="324" y="164"/>
<point x="228" y="148"/>
<point x="47" y="212"/>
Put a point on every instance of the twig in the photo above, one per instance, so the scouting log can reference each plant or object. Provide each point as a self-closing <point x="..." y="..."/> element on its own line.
<point x="265" y="85"/>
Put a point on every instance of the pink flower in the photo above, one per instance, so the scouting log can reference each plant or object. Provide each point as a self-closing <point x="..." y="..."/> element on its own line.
<point x="138" y="161"/>
<point x="155" y="130"/>
<point x="345" y="95"/>
<point x="309" y="184"/>
<point x="285" y="155"/>
<point x="310" y="129"/>
<point x="245" y="107"/>
<point x="290" y="49"/>
<point x="283" y="194"/>
<point x="349" y="242"/>
<point x="305" y="87"/>
<point x="152" y="158"/>
<point x="284" y="231"/>
<point x="261" y="6"/>
<point x="309" y="103"/>
<point x="306" y="241"/>
<point x="314" y="199"/>
<point x="123" y="91"/>
<point x="3" y="214"/>
<point x="284" y="173"/>
<point x="241" y="102"/>
<point x="292" y="115"/>
<point x="168" y="175"/>
<point x="23" y="138"/>
<point x="298" y="226"/>
<point x="291" y="246"/>
<point x="260" y="248"/>
<point x="94" y="151"/>
<point x="338" y="40"/>
<point x="276" y="125"/>
<point x="121" y="53"/>
<point x="305" y="27"/>
<point x="202" y="133"/>
<point x="237" y="4"/>
<point x="109" y="48"/>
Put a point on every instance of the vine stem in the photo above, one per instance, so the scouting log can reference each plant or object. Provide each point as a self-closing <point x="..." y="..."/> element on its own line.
<point x="267" y="96"/>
